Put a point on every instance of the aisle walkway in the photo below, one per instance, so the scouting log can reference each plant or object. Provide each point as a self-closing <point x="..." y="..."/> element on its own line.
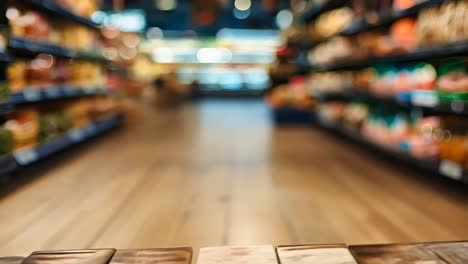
<point x="218" y="174"/>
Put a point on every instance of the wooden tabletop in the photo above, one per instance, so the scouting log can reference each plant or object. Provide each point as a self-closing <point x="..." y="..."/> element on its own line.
<point x="428" y="253"/>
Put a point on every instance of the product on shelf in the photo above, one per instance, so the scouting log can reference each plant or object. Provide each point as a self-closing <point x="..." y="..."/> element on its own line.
<point x="40" y="123"/>
<point x="79" y="112"/>
<point x="434" y="26"/>
<point x="294" y="94"/>
<point x="393" y="80"/>
<point x="453" y="77"/>
<point x="409" y="132"/>
<point x="364" y="78"/>
<point x="86" y="73"/>
<point x="83" y="8"/>
<point x="331" y="22"/>
<point x="39" y="70"/>
<point x="331" y="112"/>
<point x="330" y="82"/>
<point x="444" y="24"/>
<point x="30" y="24"/>
<point x="24" y="125"/>
<point x="46" y="70"/>
<point x="16" y="75"/>
<point x="354" y="115"/>
<point x="53" y="124"/>
<point x="6" y="141"/>
<point x="454" y="147"/>
<point x="38" y="27"/>
<point x="388" y="80"/>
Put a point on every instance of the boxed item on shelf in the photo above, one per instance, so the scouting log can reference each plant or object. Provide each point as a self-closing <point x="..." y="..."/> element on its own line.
<point x="24" y="125"/>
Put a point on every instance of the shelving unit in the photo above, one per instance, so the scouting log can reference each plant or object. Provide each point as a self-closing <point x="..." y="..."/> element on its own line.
<point x="26" y="46"/>
<point x="56" y="10"/>
<point x="444" y="51"/>
<point x="386" y="19"/>
<point x="404" y="101"/>
<point x="47" y="94"/>
<point x="442" y="168"/>
<point x="426" y="101"/>
<point x="10" y="163"/>
<point x="314" y="11"/>
<point x="361" y="24"/>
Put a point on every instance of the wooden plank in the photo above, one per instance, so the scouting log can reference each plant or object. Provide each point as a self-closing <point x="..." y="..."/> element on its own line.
<point x="405" y="253"/>
<point x="11" y="260"/>
<point x="238" y="255"/>
<point x="315" y="254"/>
<point x="147" y="256"/>
<point x="450" y="252"/>
<point x="88" y="256"/>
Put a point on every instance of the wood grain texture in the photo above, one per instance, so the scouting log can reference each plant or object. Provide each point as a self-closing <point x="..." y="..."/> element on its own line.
<point x="11" y="260"/>
<point x="220" y="173"/>
<point x="452" y="253"/>
<point x="315" y="254"/>
<point x="443" y="253"/>
<point x="85" y="256"/>
<point x="238" y="255"/>
<point x="153" y="256"/>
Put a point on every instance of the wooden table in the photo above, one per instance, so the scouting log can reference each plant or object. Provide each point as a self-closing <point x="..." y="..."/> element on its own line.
<point x="427" y="253"/>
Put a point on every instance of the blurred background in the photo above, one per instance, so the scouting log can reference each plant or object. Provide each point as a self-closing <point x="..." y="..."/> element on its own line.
<point x="155" y="123"/>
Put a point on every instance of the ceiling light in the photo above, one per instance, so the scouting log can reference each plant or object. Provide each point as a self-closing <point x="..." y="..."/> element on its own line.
<point x="242" y="5"/>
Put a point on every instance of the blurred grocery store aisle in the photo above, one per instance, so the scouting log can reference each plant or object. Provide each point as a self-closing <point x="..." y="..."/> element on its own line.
<point x="220" y="173"/>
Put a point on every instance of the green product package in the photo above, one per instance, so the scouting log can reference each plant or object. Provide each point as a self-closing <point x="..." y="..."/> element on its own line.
<point x="6" y="141"/>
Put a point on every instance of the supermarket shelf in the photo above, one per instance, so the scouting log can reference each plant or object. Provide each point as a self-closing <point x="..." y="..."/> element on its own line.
<point x="53" y="93"/>
<point x="316" y="10"/>
<point x="23" y="45"/>
<point x="449" y="50"/>
<point x="387" y="19"/>
<point x="56" y="10"/>
<point x="443" y="168"/>
<point x="7" y="164"/>
<point x="291" y="115"/>
<point x="6" y="107"/>
<point x="425" y="100"/>
<point x="361" y="25"/>
<point x="47" y="94"/>
<point x="33" y="155"/>
<point x="5" y="56"/>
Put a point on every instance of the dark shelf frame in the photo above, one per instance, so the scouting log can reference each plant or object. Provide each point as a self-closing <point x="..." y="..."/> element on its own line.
<point x="316" y="10"/>
<point x="442" y="108"/>
<point x="47" y="94"/>
<point x="23" y="46"/>
<point x="386" y="19"/>
<point x="455" y="49"/>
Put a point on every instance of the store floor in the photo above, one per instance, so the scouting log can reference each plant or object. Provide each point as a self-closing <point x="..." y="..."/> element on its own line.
<point x="221" y="173"/>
